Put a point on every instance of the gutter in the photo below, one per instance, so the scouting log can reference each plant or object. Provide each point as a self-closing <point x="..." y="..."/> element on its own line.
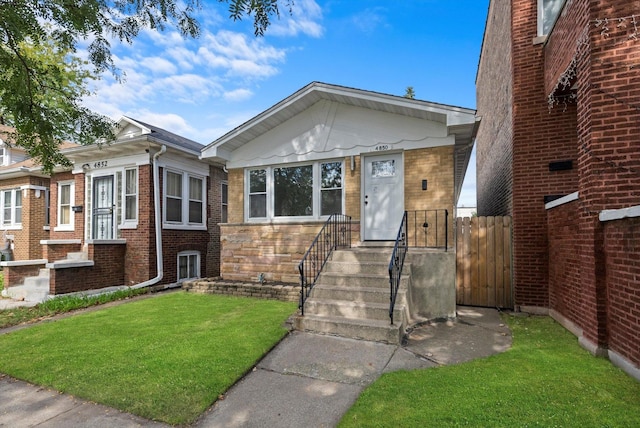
<point x="156" y="204"/>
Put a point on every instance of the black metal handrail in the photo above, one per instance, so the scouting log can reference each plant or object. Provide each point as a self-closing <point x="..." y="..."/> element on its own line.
<point x="428" y="228"/>
<point x="336" y="233"/>
<point x="397" y="262"/>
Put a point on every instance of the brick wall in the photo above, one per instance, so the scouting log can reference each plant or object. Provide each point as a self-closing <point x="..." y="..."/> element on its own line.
<point x="27" y="239"/>
<point x="108" y="271"/>
<point x="352" y="188"/>
<point x="140" y="256"/>
<point x="622" y="252"/>
<point x="78" y="232"/>
<point x="540" y="136"/>
<point x="565" y="288"/>
<point x="494" y="83"/>
<point x="15" y="275"/>
<point x="273" y="249"/>
<point x="214" y="197"/>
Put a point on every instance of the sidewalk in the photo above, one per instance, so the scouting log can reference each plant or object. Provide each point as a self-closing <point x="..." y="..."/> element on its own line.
<point x="307" y="380"/>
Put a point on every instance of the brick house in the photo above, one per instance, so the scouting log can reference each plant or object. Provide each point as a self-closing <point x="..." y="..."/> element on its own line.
<point x="24" y="197"/>
<point x="559" y="151"/>
<point x="331" y="149"/>
<point x="102" y="229"/>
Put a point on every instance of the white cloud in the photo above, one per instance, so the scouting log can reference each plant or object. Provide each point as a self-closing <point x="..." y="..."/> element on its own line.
<point x="158" y="65"/>
<point x="168" y="121"/>
<point x="304" y="19"/>
<point x="240" y="94"/>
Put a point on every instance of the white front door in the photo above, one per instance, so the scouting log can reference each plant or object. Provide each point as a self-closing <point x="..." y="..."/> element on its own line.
<point x="103" y="208"/>
<point x="383" y="201"/>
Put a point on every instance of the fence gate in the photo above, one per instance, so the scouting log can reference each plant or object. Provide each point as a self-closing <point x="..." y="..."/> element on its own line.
<point x="483" y="262"/>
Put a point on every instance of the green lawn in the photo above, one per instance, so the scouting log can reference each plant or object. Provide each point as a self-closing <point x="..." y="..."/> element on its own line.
<point x="545" y="380"/>
<point x="165" y="358"/>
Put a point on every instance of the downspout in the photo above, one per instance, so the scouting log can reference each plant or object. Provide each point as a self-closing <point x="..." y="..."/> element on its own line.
<point x="156" y="205"/>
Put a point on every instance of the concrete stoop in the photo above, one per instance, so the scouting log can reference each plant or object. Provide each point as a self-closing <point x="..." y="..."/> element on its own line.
<point x="34" y="289"/>
<point x="351" y="298"/>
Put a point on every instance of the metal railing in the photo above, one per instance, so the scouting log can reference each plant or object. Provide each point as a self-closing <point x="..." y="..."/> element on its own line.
<point x="428" y="228"/>
<point x="336" y="233"/>
<point x="397" y="262"/>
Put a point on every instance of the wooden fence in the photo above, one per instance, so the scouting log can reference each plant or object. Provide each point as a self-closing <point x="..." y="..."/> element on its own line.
<point x="483" y="262"/>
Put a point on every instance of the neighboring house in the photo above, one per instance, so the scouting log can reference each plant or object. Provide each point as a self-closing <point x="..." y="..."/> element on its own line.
<point x="107" y="213"/>
<point x="24" y="198"/>
<point x="558" y="149"/>
<point x="331" y="149"/>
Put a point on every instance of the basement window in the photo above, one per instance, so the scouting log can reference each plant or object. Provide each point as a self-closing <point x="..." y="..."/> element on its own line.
<point x="188" y="265"/>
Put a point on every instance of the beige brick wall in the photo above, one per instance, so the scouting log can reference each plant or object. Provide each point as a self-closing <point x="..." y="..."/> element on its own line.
<point x="236" y="195"/>
<point x="434" y="165"/>
<point x="352" y="181"/>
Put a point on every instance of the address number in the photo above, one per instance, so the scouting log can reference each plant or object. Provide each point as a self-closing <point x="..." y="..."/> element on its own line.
<point x="100" y="164"/>
<point x="382" y="147"/>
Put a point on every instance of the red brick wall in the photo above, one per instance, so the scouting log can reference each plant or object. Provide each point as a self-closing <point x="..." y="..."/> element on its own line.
<point x="27" y="239"/>
<point x="214" y="217"/>
<point x="622" y="253"/>
<point x="15" y="275"/>
<point x="108" y="271"/>
<point x="55" y="252"/>
<point x="540" y="136"/>
<point x="78" y="232"/>
<point x="140" y="256"/>
<point x="565" y="288"/>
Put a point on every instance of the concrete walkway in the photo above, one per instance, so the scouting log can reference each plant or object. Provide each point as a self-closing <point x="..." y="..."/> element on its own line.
<point x="307" y="380"/>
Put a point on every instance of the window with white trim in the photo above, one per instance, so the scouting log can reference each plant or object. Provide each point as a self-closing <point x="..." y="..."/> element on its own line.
<point x="188" y="265"/>
<point x="130" y="197"/>
<point x="548" y="12"/>
<point x="11" y="208"/>
<point x="66" y="196"/>
<point x="184" y="200"/>
<point x="47" y="208"/>
<point x="3" y="155"/>
<point x="305" y="191"/>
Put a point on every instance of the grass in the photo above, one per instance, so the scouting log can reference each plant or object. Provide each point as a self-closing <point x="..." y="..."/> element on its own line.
<point x="61" y="305"/>
<point x="167" y="358"/>
<point x="545" y="380"/>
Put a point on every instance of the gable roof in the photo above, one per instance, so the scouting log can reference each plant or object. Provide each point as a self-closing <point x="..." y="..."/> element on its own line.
<point x="134" y="133"/>
<point x="460" y="122"/>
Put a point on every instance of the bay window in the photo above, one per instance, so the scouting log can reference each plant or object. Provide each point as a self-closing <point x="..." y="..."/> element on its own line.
<point x="306" y="191"/>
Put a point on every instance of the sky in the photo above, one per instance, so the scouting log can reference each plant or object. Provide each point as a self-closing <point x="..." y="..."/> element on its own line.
<point x="202" y="88"/>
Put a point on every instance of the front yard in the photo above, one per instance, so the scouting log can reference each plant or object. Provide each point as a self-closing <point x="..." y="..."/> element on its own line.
<point x="167" y="358"/>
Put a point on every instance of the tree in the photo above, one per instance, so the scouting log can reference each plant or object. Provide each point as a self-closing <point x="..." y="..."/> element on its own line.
<point x="42" y="78"/>
<point x="410" y="93"/>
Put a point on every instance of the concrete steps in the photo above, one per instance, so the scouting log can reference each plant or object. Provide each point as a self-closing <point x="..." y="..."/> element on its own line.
<point x="34" y="289"/>
<point x="351" y="298"/>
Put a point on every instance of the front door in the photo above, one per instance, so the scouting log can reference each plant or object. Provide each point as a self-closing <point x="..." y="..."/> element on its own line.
<point x="383" y="196"/>
<point x="103" y="208"/>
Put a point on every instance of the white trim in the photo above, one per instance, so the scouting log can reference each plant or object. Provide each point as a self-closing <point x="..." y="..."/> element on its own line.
<point x="188" y="253"/>
<point x="563" y="200"/>
<point x="619" y="214"/>
<point x="184" y="224"/>
<point x="60" y="241"/>
<point x="113" y="164"/>
<point x="72" y="197"/>
<point x="24" y="263"/>
<point x="34" y="187"/>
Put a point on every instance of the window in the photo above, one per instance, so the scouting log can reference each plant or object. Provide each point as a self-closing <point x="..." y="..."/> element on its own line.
<point x="224" y="212"/>
<point x="188" y="265"/>
<point x="185" y="202"/>
<point x="130" y="195"/>
<point x="47" y="208"/>
<point x="12" y="208"/>
<point x="174" y="197"/>
<point x="548" y="12"/>
<point x="280" y="192"/>
<point x="65" y="201"/>
<point x="331" y="188"/>
<point x="293" y="191"/>
<point x="3" y="155"/>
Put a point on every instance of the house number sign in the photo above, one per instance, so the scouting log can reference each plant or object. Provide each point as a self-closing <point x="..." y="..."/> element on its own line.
<point x="99" y="164"/>
<point x="382" y="147"/>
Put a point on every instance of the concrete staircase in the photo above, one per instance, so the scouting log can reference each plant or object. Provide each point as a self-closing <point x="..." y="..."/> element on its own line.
<point x="351" y="297"/>
<point x="36" y="288"/>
